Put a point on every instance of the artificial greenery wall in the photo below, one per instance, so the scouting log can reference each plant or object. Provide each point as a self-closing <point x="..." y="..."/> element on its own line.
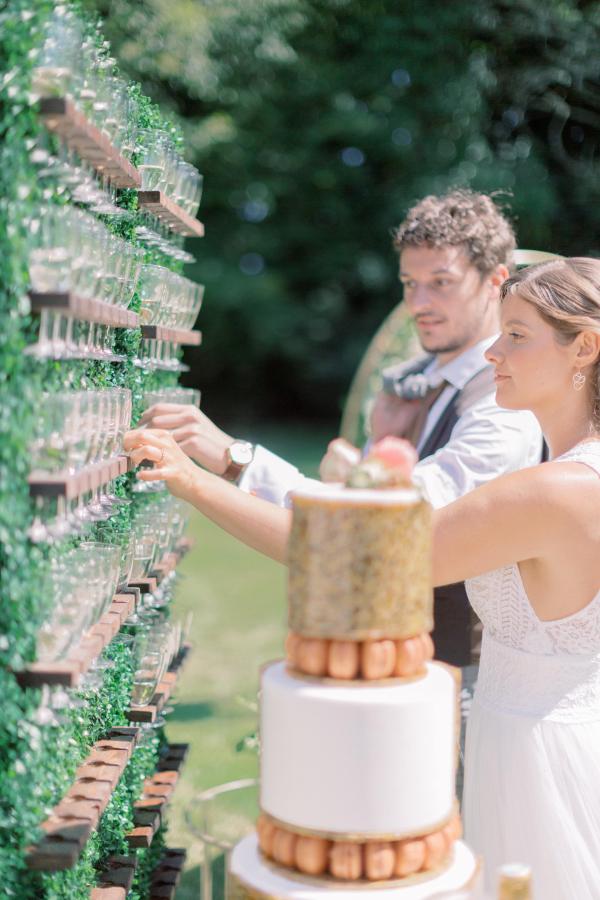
<point x="41" y="744"/>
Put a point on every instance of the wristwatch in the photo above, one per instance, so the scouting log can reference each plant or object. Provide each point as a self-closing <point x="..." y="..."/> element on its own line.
<point x="237" y="456"/>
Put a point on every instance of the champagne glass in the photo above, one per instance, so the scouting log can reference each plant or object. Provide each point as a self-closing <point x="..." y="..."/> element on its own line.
<point x="153" y="292"/>
<point x="57" y="60"/>
<point x="106" y="567"/>
<point x="144" y="549"/>
<point x="151" y="159"/>
<point x="146" y="677"/>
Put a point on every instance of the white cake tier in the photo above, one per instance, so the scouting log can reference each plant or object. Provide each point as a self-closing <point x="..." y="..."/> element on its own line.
<point x="372" y="760"/>
<point x="251" y="876"/>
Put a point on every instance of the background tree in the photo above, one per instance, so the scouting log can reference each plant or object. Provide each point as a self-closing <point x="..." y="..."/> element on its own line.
<point x="317" y="122"/>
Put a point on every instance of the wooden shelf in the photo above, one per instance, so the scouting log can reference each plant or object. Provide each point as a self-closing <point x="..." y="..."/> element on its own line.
<point x="62" y="117"/>
<point x="72" y="821"/>
<point x="68" y="672"/>
<point x="163" y="692"/>
<point x="166" y="875"/>
<point x="173" y="335"/>
<point x="71" y="485"/>
<point x="115" y="881"/>
<point x="85" y="309"/>
<point x="144" y="585"/>
<point x="172" y="761"/>
<point x="163" y="367"/>
<point x="170" y="214"/>
<point x="109" y="892"/>
<point x="149" y="810"/>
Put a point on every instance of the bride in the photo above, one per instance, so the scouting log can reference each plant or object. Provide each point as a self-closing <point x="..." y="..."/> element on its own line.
<point x="528" y="544"/>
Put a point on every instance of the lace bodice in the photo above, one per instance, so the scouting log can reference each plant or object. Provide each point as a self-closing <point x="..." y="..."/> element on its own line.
<point x="500" y="601"/>
<point x="531" y="666"/>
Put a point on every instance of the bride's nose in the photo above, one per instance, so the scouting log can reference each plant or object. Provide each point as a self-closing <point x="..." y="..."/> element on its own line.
<point x="494" y="353"/>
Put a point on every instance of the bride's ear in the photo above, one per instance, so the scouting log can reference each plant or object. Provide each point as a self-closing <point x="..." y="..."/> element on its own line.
<point x="587" y="349"/>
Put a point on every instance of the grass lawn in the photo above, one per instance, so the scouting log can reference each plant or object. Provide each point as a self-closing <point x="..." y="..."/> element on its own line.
<point x="239" y="604"/>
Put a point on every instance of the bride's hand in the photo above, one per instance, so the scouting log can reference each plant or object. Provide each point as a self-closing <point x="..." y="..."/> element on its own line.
<point x="171" y="464"/>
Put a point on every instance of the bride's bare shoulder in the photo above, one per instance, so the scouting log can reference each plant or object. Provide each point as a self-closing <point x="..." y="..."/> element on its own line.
<point x="572" y="472"/>
<point x="559" y="487"/>
<point x="566" y="486"/>
<point x="530" y="514"/>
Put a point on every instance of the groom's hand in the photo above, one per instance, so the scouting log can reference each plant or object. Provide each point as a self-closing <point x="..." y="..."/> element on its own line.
<point x="196" y="434"/>
<point x="392" y="416"/>
<point x="341" y="456"/>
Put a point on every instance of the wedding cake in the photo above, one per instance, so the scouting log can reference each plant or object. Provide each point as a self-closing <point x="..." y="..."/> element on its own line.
<point x="358" y="725"/>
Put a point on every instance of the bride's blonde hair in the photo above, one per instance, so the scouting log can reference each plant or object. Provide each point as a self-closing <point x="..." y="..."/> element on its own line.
<point x="566" y="294"/>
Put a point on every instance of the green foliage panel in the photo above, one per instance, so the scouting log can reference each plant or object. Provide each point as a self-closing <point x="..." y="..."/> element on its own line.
<point x="41" y="745"/>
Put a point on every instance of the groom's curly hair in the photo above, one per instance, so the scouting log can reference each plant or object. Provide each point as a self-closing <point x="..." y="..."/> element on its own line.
<point x="460" y="217"/>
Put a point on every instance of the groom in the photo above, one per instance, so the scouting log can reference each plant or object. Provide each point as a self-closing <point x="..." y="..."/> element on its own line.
<point x="454" y="253"/>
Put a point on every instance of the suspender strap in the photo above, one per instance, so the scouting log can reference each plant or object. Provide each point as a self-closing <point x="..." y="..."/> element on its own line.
<point x="477" y="387"/>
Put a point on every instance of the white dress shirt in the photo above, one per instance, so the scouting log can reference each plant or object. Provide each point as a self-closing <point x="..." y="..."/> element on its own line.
<point x="485" y="442"/>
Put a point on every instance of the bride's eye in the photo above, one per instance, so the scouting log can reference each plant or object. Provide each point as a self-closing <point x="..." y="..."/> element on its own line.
<point x="515" y="335"/>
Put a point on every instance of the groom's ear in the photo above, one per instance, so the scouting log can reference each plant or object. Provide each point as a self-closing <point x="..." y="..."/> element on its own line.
<point x="496" y="277"/>
<point x="588" y="348"/>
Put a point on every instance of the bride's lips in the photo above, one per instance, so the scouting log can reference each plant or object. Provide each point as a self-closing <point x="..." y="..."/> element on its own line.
<point x="499" y="378"/>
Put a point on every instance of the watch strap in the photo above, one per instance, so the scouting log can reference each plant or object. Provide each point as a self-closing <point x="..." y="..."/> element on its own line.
<point x="233" y="471"/>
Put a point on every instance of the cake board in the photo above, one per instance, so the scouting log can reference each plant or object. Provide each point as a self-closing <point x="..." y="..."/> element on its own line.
<point x="251" y="877"/>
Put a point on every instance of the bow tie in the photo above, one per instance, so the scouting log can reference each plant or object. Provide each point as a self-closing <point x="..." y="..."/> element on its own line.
<point x="417" y="387"/>
<point x="403" y="406"/>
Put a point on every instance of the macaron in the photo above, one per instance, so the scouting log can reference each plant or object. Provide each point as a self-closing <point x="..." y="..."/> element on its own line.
<point x="312" y="855"/>
<point x="409" y="656"/>
<point x="378" y="659"/>
<point x="346" y="860"/>
<point x="344" y="659"/>
<point x="265" y="830"/>
<point x="410" y="857"/>
<point x="436" y="849"/>
<point x="312" y="656"/>
<point x="380" y="860"/>
<point x="284" y="847"/>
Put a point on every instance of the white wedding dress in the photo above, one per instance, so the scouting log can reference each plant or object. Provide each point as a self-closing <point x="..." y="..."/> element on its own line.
<point x="532" y="762"/>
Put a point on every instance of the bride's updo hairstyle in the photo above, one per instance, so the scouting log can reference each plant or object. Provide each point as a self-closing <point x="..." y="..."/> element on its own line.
<point x="566" y="294"/>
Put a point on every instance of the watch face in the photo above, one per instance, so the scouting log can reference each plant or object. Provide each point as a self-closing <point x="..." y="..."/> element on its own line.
<point x="241" y="453"/>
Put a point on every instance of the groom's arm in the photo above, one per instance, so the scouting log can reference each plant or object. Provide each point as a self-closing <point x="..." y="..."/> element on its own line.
<point x="268" y="476"/>
<point x="272" y="478"/>
<point x="486" y="442"/>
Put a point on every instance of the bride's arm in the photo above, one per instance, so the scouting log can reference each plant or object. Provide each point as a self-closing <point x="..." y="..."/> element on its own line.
<point x="528" y="514"/>
<point x="524" y="515"/>
<point x="261" y="525"/>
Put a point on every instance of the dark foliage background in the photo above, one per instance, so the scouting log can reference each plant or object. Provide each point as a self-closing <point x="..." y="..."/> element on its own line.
<point x="318" y="122"/>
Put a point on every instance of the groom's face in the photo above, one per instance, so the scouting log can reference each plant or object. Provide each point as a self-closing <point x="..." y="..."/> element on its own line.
<point x="453" y="305"/>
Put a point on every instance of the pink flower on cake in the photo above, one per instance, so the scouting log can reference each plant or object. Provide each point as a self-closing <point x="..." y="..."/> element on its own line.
<point x="389" y="463"/>
<point x="396" y="453"/>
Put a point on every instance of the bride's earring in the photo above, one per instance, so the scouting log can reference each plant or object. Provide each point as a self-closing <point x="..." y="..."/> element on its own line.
<point x="578" y="381"/>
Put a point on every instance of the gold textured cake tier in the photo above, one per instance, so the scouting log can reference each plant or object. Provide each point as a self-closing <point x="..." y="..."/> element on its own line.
<point x="360" y="565"/>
